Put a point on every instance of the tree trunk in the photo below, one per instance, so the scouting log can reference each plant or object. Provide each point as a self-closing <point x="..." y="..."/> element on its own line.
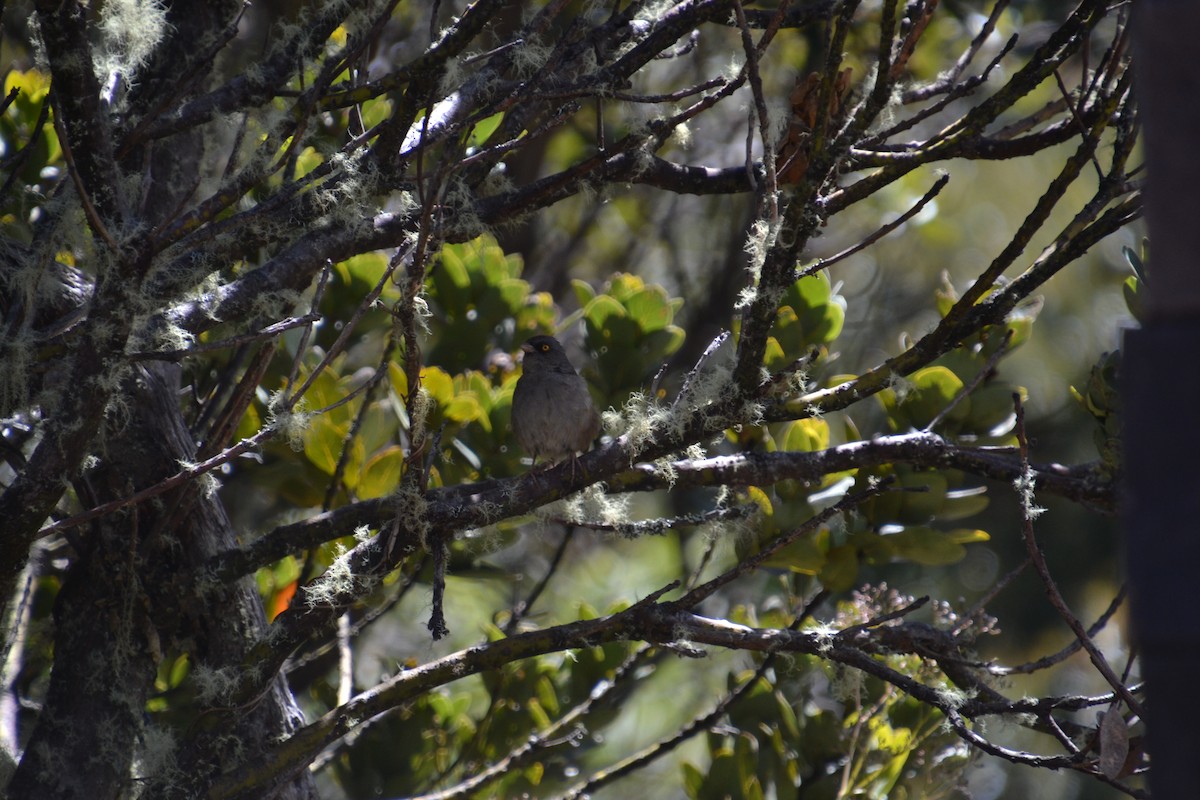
<point x="114" y="624"/>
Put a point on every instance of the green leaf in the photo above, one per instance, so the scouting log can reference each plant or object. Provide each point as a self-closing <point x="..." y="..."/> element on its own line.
<point x="650" y="309"/>
<point x="991" y="411"/>
<point x="963" y="503"/>
<point x="760" y="499"/>
<point x="308" y="160"/>
<point x="927" y="546"/>
<point x="454" y="266"/>
<point x="465" y="407"/>
<point x="968" y="535"/>
<point x="622" y="286"/>
<point x="597" y="314"/>
<point x="439" y="385"/>
<point x="379" y="427"/>
<point x="927" y="392"/>
<point x="249" y="424"/>
<point x="774" y="358"/>
<point x="818" y="314"/>
<point x="484" y="129"/>
<point x="547" y="695"/>
<point x="1132" y="290"/>
<point x="841" y="568"/>
<point x="323" y="443"/>
<point x="723" y="779"/>
<point x="1135" y="261"/>
<point x="398" y="379"/>
<point x="375" y="111"/>
<point x="33" y="84"/>
<point x="541" y="720"/>
<point x="693" y="780"/>
<point x="380" y="474"/>
<point x="1021" y="327"/>
<point x="584" y="293"/>
<point x="874" y="548"/>
<point x="325" y="390"/>
<point x="801" y="556"/>
<point x="805" y="436"/>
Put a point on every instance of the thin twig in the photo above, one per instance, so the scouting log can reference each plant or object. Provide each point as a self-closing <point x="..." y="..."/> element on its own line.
<point x="875" y="622"/>
<point x="699" y="724"/>
<point x="302" y="345"/>
<point x="437" y="615"/>
<point x="1083" y="129"/>
<point x="1075" y="645"/>
<point x="781" y="541"/>
<point x="991" y="595"/>
<point x="554" y="735"/>
<point x="368" y="617"/>
<point x="661" y="526"/>
<point x="178" y="479"/>
<point x="770" y="194"/>
<point x="950" y="80"/>
<point x="340" y="343"/>
<point x="89" y="210"/>
<point x="712" y="348"/>
<point x="522" y="608"/>
<point x="986" y="370"/>
<point x="1025" y="487"/>
<point x="883" y="231"/>
<point x="670" y="97"/>
<point x="345" y="660"/>
<point x="376" y="379"/>
<point x="234" y="341"/>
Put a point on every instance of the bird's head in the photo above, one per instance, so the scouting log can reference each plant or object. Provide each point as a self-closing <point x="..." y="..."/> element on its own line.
<point x="545" y="354"/>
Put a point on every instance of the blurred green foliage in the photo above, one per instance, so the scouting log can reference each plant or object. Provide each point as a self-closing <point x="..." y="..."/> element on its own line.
<point x="810" y="315"/>
<point x="629" y="331"/>
<point x="30" y="147"/>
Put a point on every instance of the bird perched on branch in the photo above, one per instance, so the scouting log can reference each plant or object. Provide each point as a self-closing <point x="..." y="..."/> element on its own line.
<point x="552" y="413"/>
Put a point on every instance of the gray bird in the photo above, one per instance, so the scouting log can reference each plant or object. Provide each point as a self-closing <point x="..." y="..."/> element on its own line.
<point x="552" y="413"/>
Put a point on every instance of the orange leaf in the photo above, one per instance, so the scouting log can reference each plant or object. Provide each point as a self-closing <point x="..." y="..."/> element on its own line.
<point x="282" y="599"/>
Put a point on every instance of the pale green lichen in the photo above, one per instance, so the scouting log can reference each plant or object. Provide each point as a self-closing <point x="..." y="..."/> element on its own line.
<point x="594" y="505"/>
<point x="130" y="30"/>
<point x="681" y="136"/>
<point x="641" y="421"/>
<point x="900" y="385"/>
<point x="214" y="687"/>
<point x="291" y="423"/>
<point x="530" y="57"/>
<point x="953" y="697"/>
<point x="157" y="756"/>
<point x="412" y="511"/>
<point x="339" y="583"/>
<point x="1024" y="485"/>
<point x="759" y="241"/>
<point x="665" y="468"/>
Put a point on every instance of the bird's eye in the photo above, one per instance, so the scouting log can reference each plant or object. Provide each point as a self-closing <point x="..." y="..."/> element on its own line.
<point x="545" y="348"/>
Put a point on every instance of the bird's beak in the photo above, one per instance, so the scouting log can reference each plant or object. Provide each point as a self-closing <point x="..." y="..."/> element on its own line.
<point x="527" y="348"/>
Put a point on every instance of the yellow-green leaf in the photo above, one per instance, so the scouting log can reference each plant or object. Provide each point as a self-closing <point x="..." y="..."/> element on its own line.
<point x="323" y="443"/>
<point x="439" y="385"/>
<point x="380" y="475"/>
<point x="927" y="546"/>
<point x="806" y="435"/>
